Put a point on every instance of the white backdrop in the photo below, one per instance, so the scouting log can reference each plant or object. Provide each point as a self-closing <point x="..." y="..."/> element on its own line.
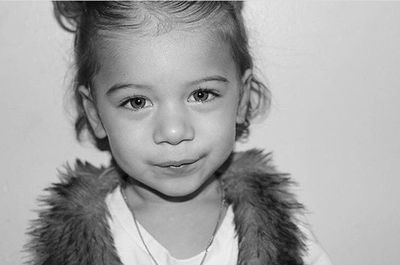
<point x="333" y="68"/>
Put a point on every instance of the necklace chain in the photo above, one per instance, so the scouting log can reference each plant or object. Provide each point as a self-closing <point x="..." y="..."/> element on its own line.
<point x="209" y="242"/>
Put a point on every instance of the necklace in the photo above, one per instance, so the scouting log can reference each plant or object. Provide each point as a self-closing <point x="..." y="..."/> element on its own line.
<point x="209" y="242"/>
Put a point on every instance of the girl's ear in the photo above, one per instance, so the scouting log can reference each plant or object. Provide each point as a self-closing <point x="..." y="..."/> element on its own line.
<point x="92" y="113"/>
<point x="244" y="96"/>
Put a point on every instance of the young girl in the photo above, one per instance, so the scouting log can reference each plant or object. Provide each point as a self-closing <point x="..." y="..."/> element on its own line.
<point x="167" y="88"/>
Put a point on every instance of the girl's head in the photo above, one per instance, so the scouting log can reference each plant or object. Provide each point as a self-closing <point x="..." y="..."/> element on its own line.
<point x="94" y="21"/>
<point x="167" y="86"/>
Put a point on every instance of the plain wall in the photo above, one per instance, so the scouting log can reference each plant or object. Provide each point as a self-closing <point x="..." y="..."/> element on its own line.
<point x="333" y="68"/>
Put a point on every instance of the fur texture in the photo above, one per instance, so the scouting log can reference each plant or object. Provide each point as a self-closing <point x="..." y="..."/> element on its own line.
<point x="72" y="229"/>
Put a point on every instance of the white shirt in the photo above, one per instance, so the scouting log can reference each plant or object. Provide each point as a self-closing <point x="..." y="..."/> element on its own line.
<point x="223" y="251"/>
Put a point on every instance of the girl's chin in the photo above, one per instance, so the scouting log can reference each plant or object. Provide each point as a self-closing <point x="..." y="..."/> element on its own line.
<point x="180" y="194"/>
<point x="176" y="192"/>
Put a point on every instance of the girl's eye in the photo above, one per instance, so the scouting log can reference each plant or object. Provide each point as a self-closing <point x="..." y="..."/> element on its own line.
<point x="136" y="103"/>
<point x="202" y="95"/>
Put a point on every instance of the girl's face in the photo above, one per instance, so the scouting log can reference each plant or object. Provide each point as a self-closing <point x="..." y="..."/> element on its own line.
<point x="168" y="105"/>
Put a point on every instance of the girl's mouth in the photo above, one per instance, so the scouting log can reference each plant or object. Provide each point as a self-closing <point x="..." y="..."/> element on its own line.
<point x="178" y="167"/>
<point x="177" y="163"/>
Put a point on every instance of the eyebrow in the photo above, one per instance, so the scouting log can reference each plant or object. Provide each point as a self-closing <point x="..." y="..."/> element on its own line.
<point x="119" y="86"/>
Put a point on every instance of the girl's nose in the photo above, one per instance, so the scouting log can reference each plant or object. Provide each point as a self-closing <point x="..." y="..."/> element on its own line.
<point x="173" y="127"/>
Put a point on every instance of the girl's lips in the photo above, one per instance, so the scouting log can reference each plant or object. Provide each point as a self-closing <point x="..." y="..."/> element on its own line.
<point x="177" y="163"/>
<point x="178" y="167"/>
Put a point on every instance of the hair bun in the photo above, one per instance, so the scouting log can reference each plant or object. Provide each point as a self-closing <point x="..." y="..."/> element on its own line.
<point x="68" y="13"/>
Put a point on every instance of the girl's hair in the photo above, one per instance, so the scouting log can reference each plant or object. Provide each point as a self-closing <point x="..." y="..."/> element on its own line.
<point x="92" y="22"/>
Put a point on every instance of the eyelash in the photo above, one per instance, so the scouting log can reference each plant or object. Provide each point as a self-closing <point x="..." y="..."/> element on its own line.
<point x="209" y="92"/>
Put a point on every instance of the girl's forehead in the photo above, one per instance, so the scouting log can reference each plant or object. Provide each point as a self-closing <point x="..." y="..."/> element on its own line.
<point x="132" y="41"/>
<point x="178" y="52"/>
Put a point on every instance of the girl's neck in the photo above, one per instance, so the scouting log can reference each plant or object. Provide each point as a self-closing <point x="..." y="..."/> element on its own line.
<point x="183" y="227"/>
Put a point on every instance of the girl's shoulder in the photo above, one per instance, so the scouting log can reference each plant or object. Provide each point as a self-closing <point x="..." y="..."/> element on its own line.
<point x="72" y="217"/>
<point x="82" y="185"/>
<point x="263" y="207"/>
<point x="251" y="177"/>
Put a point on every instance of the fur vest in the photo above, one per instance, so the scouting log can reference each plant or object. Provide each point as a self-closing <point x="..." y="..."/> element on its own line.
<point x="72" y="229"/>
